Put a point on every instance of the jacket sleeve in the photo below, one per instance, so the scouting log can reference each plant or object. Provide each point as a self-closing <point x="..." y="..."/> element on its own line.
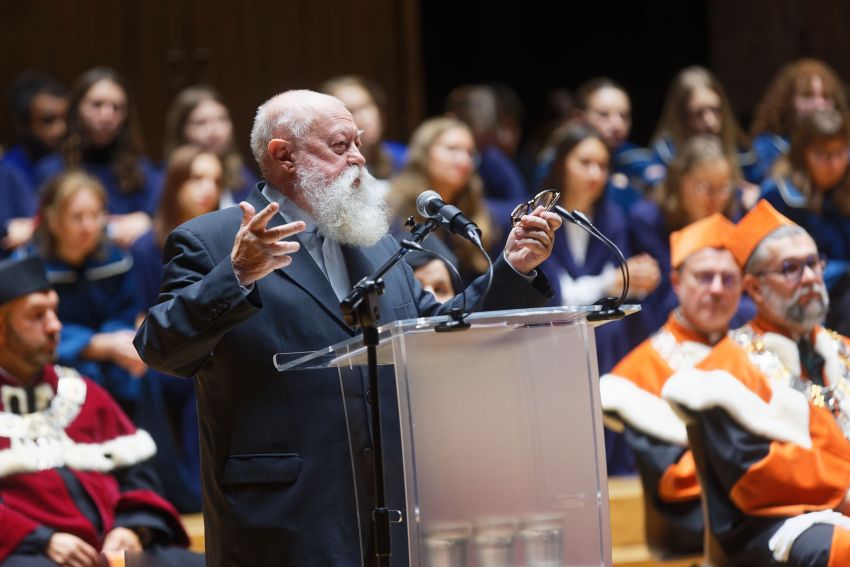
<point x="789" y="479"/>
<point x="200" y="301"/>
<point x="509" y="290"/>
<point x="16" y="529"/>
<point x="772" y="451"/>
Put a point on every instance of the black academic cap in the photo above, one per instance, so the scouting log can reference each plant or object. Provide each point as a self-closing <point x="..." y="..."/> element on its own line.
<point x="19" y="277"/>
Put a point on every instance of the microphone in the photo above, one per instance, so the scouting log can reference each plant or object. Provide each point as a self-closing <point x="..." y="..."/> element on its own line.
<point x="610" y="306"/>
<point x="430" y="205"/>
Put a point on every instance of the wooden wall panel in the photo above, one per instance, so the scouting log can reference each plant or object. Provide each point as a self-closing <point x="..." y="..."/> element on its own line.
<point x="249" y="50"/>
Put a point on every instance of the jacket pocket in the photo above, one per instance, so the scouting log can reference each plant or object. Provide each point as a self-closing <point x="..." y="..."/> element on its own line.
<point x="269" y="468"/>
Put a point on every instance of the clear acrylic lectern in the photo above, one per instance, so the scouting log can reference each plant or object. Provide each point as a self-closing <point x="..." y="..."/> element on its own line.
<point x="501" y="437"/>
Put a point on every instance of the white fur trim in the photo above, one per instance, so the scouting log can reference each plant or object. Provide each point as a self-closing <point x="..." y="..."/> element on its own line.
<point x="782" y="541"/>
<point x="119" y="452"/>
<point x="785" y="418"/>
<point x="642" y="410"/>
<point x="27" y="455"/>
<point x="827" y="347"/>
<point x="785" y="349"/>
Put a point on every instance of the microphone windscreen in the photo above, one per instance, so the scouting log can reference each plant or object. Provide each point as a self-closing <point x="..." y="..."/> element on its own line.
<point x="423" y="203"/>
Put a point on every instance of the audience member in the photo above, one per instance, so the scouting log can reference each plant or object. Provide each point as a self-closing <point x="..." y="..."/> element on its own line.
<point x="38" y="105"/>
<point x="582" y="268"/>
<point x="556" y="108"/>
<point x="104" y="139"/>
<point x="441" y="157"/>
<point x="199" y="116"/>
<point x="365" y="100"/>
<point x="699" y="183"/>
<point x="812" y="188"/>
<point x="493" y="130"/>
<point x="95" y="285"/>
<point x="798" y="88"/>
<point x="605" y="105"/>
<point x="74" y="476"/>
<point x="770" y="417"/>
<point x="697" y="104"/>
<point x="707" y="283"/>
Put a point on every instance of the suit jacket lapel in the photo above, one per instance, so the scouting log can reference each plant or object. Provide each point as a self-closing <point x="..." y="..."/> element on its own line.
<point x="303" y="271"/>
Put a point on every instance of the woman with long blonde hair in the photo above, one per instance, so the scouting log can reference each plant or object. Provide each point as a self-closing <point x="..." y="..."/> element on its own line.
<point x="441" y="157"/>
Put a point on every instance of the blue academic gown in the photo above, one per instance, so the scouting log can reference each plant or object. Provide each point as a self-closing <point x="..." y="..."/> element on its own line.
<point x="829" y="229"/>
<point x="753" y="168"/>
<point x="178" y="460"/>
<point x="17" y="198"/>
<point x="769" y="148"/>
<point x="145" y="199"/>
<point x="99" y="296"/>
<point x="632" y="161"/>
<point x="17" y="157"/>
<point x="504" y="186"/>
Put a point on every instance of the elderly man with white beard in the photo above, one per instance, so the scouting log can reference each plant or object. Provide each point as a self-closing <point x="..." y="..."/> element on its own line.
<point x="242" y="284"/>
<point x="771" y="407"/>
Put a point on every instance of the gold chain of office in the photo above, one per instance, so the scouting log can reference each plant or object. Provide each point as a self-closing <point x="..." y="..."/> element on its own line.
<point x="834" y="398"/>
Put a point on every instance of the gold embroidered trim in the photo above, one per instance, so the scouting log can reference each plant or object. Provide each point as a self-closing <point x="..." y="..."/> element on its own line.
<point x="835" y="398"/>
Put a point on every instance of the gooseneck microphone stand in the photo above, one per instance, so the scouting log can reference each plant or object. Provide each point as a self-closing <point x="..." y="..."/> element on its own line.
<point x="360" y="310"/>
<point x="609" y="306"/>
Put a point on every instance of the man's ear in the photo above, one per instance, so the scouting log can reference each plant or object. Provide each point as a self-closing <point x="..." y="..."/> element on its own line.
<point x="752" y="285"/>
<point x="675" y="280"/>
<point x="280" y="152"/>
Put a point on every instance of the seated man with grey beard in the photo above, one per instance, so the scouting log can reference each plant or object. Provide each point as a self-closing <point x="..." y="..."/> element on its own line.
<point x="279" y="475"/>
<point x="771" y="412"/>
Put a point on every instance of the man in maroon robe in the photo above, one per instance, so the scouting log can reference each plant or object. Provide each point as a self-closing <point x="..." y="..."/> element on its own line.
<point x="73" y="483"/>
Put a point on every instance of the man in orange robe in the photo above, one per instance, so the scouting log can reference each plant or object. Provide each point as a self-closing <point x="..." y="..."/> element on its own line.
<point x="707" y="282"/>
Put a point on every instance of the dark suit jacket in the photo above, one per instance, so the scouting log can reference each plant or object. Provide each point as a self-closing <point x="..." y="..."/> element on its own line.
<point x="277" y="469"/>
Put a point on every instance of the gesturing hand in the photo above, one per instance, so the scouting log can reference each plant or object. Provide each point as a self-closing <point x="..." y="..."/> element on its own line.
<point x="69" y="550"/>
<point x="531" y="240"/>
<point x="257" y="250"/>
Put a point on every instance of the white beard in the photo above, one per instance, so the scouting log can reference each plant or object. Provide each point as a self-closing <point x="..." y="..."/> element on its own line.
<point x="345" y="211"/>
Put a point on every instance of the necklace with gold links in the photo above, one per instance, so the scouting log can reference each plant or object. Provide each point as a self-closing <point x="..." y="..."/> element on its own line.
<point x="835" y="398"/>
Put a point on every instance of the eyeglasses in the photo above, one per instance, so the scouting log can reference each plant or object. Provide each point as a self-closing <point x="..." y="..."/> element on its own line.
<point x="704" y="189"/>
<point x="706" y="278"/>
<point x="793" y="268"/>
<point x="546" y="199"/>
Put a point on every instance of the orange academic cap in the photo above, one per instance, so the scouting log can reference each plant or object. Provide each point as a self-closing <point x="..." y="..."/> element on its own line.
<point x="711" y="232"/>
<point x="751" y="230"/>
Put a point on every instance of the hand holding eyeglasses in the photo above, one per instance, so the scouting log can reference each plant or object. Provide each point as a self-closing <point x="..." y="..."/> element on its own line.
<point x="531" y="239"/>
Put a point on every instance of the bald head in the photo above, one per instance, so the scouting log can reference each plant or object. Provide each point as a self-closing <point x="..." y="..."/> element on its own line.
<point x="288" y="115"/>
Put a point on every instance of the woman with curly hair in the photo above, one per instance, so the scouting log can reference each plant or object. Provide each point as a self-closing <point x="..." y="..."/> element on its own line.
<point x="697" y="104"/>
<point x="441" y="157"/>
<point x="104" y="139"/>
<point x="798" y="88"/>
